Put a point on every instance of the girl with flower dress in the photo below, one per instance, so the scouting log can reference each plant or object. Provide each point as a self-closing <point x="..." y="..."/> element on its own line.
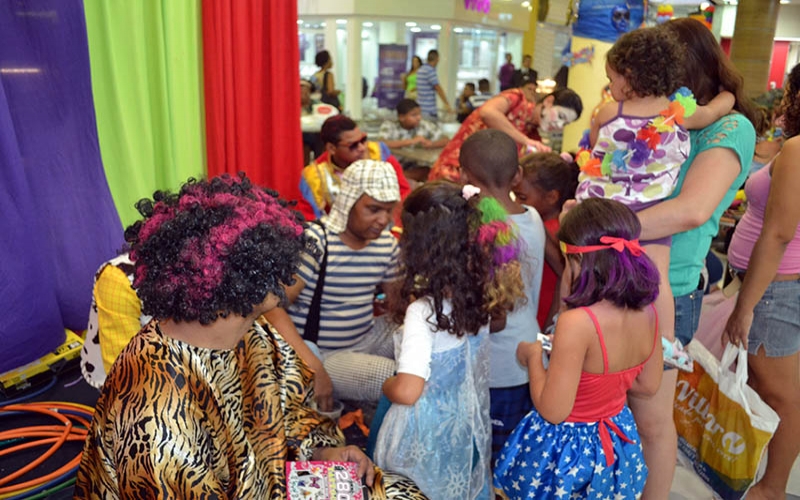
<point x="639" y="143"/>
<point x="580" y="440"/>
<point x="460" y="269"/>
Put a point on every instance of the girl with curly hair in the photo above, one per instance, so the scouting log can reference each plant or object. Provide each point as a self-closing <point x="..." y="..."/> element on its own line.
<point x="207" y="400"/>
<point x="580" y="440"/>
<point x="640" y="142"/>
<point x="765" y="252"/>
<point x="459" y="268"/>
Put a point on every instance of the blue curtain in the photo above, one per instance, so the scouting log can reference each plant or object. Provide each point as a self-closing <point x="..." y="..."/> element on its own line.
<point x="58" y="222"/>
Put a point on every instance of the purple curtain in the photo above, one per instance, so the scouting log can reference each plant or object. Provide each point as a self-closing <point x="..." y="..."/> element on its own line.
<point x="58" y="222"/>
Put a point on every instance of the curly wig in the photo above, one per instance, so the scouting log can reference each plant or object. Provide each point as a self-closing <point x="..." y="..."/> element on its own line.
<point x="791" y="100"/>
<point x="650" y="60"/>
<point x="446" y="255"/>
<point x="217" y="247"/>
<point x="624" y="279"/>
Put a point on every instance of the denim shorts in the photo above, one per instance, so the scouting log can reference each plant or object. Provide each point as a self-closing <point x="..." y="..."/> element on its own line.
<point x="687" y="315"/>
<point x="776" y="320"/>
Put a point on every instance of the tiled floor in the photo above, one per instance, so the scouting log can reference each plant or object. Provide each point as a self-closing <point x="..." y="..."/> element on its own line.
<point x="687" y="486"/>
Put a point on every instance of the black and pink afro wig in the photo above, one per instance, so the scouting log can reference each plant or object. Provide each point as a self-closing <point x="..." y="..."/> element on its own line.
<point x="217" y="247"/>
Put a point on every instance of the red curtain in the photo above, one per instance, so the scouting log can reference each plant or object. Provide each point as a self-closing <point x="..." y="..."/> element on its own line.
<point x="252" y="91"/>
<point x="777" y="66"/>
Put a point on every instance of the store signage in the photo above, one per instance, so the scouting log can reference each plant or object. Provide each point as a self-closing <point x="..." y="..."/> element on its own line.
<point x="392" y="60"/>
<point x="478" y="5"/>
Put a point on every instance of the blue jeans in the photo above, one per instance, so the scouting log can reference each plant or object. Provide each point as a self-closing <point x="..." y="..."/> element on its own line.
<point x="687" y="315"/>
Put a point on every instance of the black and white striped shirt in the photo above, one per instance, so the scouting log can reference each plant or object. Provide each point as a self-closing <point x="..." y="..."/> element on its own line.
<point x="351" y="277"/>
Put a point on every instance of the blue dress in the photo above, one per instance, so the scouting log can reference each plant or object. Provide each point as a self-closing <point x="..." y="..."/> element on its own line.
<point x="596" y="453"/>
<point x="443" y="441"/>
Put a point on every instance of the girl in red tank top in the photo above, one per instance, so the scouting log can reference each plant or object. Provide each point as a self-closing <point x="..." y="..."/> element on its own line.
<point x="580" y="440"/>
<point x="548" y="180"/>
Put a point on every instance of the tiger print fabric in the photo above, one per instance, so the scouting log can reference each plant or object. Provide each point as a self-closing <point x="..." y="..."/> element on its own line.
<point x="177" y="421"/>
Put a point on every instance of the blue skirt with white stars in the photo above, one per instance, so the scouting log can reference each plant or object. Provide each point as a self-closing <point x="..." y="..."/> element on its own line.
<point x="567" y="461"/>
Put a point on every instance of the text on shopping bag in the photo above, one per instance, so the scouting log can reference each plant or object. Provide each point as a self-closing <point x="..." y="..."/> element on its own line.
<point x="716" y="427"/>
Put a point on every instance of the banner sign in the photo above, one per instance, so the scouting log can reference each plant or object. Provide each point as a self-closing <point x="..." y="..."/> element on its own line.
<point x="391" y="66"/>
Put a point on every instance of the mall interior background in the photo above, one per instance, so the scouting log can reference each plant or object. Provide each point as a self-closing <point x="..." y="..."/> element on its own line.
<point x="472" y="37"/>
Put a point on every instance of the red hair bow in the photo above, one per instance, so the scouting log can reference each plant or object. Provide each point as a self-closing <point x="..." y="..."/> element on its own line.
<point x="618" y="244"/>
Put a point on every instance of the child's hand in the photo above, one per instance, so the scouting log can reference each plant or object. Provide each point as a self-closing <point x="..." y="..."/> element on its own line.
<point x="527" y="350"/>
<point x="718" y="107"/>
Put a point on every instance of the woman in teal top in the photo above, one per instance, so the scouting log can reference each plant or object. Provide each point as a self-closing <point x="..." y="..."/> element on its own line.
<point x="706" y="185"/>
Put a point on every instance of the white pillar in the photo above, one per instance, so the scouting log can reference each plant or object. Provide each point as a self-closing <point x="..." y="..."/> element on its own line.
<point x="331" y="45"/>
<point x="447" y="69"/>
<point x="352" y="98"/>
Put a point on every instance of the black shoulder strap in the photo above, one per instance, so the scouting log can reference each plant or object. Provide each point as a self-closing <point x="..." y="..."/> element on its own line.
<point x="311" y="331"/>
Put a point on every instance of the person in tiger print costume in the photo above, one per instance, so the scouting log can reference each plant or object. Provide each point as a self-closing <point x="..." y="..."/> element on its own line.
<point x="208" y="400"/>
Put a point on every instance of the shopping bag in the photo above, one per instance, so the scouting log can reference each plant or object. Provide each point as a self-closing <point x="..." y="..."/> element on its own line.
<point x="723" y="425"/>
<point x="717" y="308"/>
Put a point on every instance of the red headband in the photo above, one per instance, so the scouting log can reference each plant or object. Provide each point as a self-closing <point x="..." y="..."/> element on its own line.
<point x="618" y="244"/>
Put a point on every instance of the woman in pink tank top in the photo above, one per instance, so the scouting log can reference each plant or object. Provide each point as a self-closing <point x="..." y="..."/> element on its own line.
<point x="580" y="440"/>
<point x="765" y="253"/>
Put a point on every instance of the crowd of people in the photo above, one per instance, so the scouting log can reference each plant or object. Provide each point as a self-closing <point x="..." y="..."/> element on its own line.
<point x="254" y="315"/>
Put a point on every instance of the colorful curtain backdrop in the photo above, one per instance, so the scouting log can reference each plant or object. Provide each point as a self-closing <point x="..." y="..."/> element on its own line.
<point x="252" y="91"/>
<point x="147" y="86"/>
<point x="144" y="89"/>
<point x="57" y="219"/>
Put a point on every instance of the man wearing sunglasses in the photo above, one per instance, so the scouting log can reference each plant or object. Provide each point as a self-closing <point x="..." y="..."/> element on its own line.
<point x="344" y="143"/>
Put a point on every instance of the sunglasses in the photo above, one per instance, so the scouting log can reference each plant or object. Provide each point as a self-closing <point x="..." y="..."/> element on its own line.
<point x="354" y="145"/>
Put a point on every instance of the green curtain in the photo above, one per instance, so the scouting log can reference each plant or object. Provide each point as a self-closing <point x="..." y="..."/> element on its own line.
<point x="147" y="84"/>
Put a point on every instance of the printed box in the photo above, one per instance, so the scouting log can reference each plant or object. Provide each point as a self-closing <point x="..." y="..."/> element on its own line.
<point x="323" y="481"/>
